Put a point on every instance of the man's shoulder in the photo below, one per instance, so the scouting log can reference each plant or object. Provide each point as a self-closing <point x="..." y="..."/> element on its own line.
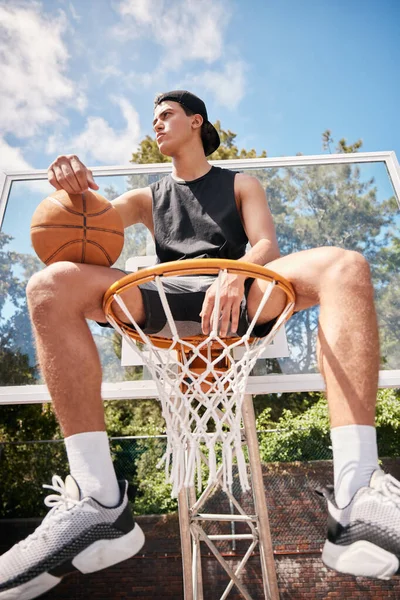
<point x="238" y="176"/>
<point x="161" y="183"/>
<point x="223" y="172"/>
<point x="245" y="180"/>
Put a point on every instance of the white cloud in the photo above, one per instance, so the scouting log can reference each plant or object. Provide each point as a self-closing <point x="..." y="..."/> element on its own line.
<point x="228" y="85"/>
<point x="33" y="61"/>
<point x="108" y="71"/>
<point x="75" y="15"/>
<point x="11" y="158"/>
<point x="99" y="141"/>
<point x="141" y="10"/>
<point x="185" y="29"/>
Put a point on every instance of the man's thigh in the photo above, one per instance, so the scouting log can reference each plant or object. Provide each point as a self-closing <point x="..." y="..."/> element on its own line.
<point x="89" y="283"/>
<point x="304" y="270"/>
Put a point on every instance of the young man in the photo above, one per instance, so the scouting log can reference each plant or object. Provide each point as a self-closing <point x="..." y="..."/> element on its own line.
<point x="90" y="527"/>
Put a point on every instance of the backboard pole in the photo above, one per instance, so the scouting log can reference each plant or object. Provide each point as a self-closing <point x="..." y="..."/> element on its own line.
<point x="271" y="591"/>
<point x="192" y="533"/>
<point x="186" y="543"/>
<point x="196" y="554"/>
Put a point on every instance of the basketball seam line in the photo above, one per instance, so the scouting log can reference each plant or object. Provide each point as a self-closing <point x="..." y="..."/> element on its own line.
<point x="88" y="227"/>
<point x="75" y="212"/>
<point x="74" y="242"/>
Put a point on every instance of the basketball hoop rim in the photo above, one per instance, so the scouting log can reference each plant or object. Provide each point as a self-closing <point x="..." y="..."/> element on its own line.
<point x="191" y="266"/>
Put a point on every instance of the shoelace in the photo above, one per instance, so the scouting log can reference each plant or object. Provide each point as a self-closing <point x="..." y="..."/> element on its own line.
<point x="59" y="503"/>
<point x="389" y="487"/>
<point x="61" y="500"/>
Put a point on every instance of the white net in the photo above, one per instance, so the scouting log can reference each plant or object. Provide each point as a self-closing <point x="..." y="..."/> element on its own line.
<point x="201" y="386"/>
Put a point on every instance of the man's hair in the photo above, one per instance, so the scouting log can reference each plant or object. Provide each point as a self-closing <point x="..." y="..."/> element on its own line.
<point x="193" y="105"/>
<point x="189" y="113"/>
<point x="186" y="110"/>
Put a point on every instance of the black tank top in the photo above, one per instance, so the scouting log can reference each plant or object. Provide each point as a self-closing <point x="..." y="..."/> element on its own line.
<point x="197" y="219"/>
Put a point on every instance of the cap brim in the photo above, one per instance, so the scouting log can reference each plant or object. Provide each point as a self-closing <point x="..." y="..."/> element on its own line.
<point x="210" y="138"/>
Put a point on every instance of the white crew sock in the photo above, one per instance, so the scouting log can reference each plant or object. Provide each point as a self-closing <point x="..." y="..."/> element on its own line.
<point x="91" y="466"/>
<point x="355" y="458"/>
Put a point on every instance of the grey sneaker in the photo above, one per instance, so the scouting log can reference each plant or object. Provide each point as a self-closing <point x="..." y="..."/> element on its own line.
<point x="364" y="537"/>
<point x="77" y="534"/>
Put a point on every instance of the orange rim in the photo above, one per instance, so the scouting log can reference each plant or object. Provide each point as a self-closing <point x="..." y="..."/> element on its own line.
<point x="194" y="266"/>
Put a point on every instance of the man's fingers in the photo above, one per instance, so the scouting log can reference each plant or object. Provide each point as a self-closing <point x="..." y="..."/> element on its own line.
<point x="83" y="175"/>
<point x="92" y="184"/>
<point x="235" y="313"/>
<point x="225" y="320"/>
<point x="229" y="311"/>
<point x="70" y="177"/>
<point x="53" y="179"/>
<point x="70" y="174"/>
<point x="206" y="312"/>
<point x="62" y="182"/>
<point x="80" y="172"/>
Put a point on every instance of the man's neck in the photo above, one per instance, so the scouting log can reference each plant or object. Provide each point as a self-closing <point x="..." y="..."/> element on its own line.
<point x="190" y="166"/>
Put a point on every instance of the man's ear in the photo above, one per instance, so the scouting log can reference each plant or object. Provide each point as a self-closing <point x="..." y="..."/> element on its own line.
<point x="197" y="121"/>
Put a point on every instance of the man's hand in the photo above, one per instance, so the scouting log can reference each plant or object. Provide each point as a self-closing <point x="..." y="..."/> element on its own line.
<point x="231" y="294"/>
<point x="69" y="174"/>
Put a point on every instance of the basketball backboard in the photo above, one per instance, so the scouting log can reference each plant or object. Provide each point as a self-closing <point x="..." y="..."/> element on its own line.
<point x="347" y="200"/>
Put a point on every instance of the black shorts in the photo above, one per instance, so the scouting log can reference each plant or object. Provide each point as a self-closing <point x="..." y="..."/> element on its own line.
<point x="185" y="295"/>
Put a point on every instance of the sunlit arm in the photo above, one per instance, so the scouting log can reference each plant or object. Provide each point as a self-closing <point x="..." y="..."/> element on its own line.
<point x="257" y="221"/>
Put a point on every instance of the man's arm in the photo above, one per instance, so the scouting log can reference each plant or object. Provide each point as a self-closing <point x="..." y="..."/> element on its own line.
<point x="68" y="173"/>
<point x="134" y="207"/>
<point x="257" y="220"/>
<point x="260" y="230"/>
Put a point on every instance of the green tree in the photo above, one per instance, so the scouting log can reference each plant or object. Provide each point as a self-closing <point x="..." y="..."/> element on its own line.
<point x="18" y="492"/>
<point x="228" y="149"/>
<point x="11" y="287"/>
<point x="306" y="436"/>
<point x="388" y="301"/>
<point x="328" y="205"/>
<point x="342" y="146"/>
<point x="148" y="151"/>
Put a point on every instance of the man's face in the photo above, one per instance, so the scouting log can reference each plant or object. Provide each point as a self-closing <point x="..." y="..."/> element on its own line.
<point x="173" y="128"/>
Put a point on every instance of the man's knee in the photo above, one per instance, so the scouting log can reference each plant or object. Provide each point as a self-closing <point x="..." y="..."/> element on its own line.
<point x="48" y="288"/>
<point x="349" y="267"/>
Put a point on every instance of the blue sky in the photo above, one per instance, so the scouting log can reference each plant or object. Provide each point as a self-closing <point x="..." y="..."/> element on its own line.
<point x="81" y="76"/>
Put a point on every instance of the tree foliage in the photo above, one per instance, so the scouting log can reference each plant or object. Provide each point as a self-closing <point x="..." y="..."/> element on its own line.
<point x="306" y="435"/>
<point x="342" y="146"/>
<point x="148" y="151"/>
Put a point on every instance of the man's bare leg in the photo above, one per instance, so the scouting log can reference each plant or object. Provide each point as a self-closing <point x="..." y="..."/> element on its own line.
<point x="348" y="345"/>
<point x="364" y="513"/>
<point x="60" y="299"/>
<point x="348" y="353"/>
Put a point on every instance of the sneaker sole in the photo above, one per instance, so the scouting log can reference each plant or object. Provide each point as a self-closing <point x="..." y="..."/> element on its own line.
<point x="99" y="555"/>
<point x="361" y="559"/>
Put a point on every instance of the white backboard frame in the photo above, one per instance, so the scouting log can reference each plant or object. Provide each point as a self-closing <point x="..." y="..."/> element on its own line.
<point x="257" y="384"/>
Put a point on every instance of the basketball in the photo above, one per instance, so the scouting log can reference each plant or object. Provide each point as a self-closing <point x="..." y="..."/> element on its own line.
<point x="80" y="228"/>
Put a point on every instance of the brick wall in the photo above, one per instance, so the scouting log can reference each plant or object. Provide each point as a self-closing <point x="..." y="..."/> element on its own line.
<point x="297" y="519"/>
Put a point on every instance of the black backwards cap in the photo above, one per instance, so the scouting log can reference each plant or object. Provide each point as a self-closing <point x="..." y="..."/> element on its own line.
<point x="209" y="135"/>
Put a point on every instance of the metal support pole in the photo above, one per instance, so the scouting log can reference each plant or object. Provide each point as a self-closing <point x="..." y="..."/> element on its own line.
<point x="196" y="557"/>
<point x="266" y="552"/>
<point x="186" y="543"/>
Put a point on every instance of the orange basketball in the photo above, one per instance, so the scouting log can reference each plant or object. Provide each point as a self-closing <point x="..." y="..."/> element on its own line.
<point x="81" y="228"/>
